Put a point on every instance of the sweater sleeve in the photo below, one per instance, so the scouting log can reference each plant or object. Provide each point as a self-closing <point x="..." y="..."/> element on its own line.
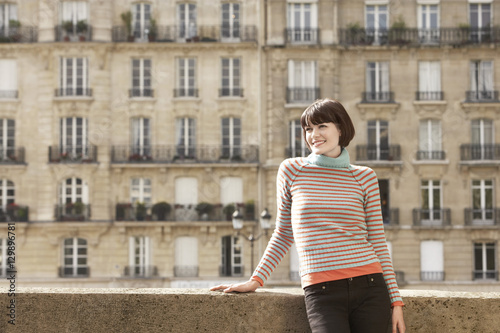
<point x="282" y="237"/>
<point x="376" y="234"/>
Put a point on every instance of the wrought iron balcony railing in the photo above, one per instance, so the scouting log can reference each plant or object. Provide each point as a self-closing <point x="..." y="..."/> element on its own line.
<point x="144" y="92"/>
<point x="186" y="271"/>
<point x="431" y="217"/>
<point x="378" y="153"/>
<point x="18" y="34"/>
<point x="485" y="275"/>
<point x="73" y="154"/>
<point x="186" y="92"/>
<point x="472" y="152"/>
<point x="79" y="271"/>
<point x="227" y="270"/>
<point x="73" y="33"/>
<point x="75" y="211"/>
<point x="9" y="94"/>
<point x="302" y="95"/>
<point x="73" y="92"/>
<point x="140" y="271"/>
<point x="482" y="96"/>
<point x="432" y="276"/>
<point x="231" y="92"/>
<point x="302" y="35"/>
<point x="429" y="96"/>
<point x="296" y="152"/>
<point x="431" y="155"/>
<point x="482" y="217"/>
<point x="377" y="97"/>
<point x="12" y="155"/>
<point x="14" y="213"/>
<point x="390" y="216"/>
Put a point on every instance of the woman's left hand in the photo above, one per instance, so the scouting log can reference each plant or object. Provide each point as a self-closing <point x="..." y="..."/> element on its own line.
<point x="398" y="323"/>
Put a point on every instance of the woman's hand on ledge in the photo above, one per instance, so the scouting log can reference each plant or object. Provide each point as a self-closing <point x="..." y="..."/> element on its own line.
<point x="244" y="287"/>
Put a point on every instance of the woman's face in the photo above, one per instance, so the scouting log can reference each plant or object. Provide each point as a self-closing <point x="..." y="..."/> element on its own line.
<point x="324" y="139"/>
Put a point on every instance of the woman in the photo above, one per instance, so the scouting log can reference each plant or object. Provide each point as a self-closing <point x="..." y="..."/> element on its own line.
<point x="331" y="210"/>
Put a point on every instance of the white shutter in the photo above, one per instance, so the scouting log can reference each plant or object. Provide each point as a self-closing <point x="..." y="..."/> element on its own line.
<point x="231" y="190"/>
<point x="186" y="191"/>
<point x="486" y="76"/>
<point x="431" y="256"/>
<point x="186" y="251"/>
<point x="423" y="73"/>
<point x="85" y="193"/>
<point x="8" y="71"/>
<point x="131" y="252"/>
<point x="384" y="72"/>
<point x="291" y="74"/>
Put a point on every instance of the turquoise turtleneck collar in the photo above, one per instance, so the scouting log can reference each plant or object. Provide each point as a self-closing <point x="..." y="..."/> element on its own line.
<point x="342" y="161"/>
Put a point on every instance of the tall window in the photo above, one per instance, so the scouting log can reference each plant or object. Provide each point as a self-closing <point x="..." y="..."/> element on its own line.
<point x="481" y="84"/>
<point x="302" y="22"/>
<point x="230" y="21"/>
<point x="428" y="23"/>
<point x="482" y="202"/>
<point x="376" y="22"/>
<point x="186" y="198"/>
<point x="7" y="139"/>
<point x="8" y="13"/>
<point x="297" y="144"/>
<point x="485" y="261"/>
<point x="73" y="77"/>
<point x="74" y="258"/>
<point x="140" y="191"/>
<point x="8" y="72"/>
<point x="302" y="81"/>
<point x="7" y="193"/>
<point x="4" y="264"/>
<point x="72" y="13"/>
<point x="186" y="78"/>
<point x="186" y="137"/>
<point x="431" y="261"/>
<point x="431" y="201"/>
<point x="430" y="140"/>
<point x="74" y="137"/>
<point x="482" y="137"/>
<point x="385" y="203"/>
<point x="232" y="256"/>
<point x="378" y="140"/>
<point x="73" y="190"/>
<point x="186" y="257"/>
<point x="141" y="136"/>
<point x="231" y="137"/>
<point x="377" y="82"/>
<point x="231" y="77"/>
<point x="429" y="80"/>
<point x="186" y="14"/>
<point x="141" y="20"/>
<point x="231" y="190"/>
<point x="480" y="21"/>
<point x="141" y="78"/>
<point x="140" y="257"/>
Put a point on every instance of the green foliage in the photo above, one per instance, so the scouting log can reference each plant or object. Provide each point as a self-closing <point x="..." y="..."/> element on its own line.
<point x="399" y="23"/>
<point x="127" y="20"/>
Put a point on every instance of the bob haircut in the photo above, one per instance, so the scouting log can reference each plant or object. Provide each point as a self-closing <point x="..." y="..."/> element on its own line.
<point x="328" y="111"/>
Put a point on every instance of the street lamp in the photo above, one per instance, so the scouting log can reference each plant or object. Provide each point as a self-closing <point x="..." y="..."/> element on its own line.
<point x="265" y="224"/>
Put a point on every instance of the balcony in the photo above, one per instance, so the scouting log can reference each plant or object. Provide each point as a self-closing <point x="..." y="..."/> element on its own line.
<point x="485" y="275"/>
<point x="74" y="272"/>
<point x="472" y="152"/>
<point x="231" y="271"/>
<point x="12" y="155"/>
<point x="14" y="213"/>
<point x="390" y="216"/>
<point x="186" y="92"/>
<point x="74" y="211"/>
<point x="431" y="217"/>
<point x="73" y="92"/>
<point x="68" y="32"/>
<point x="302" y="35"/>
<point x="429" y="95"/>
<point x="302" y="95"/>
<point x="73" y="154"/>
<point x="182" y="154"/>
<point x="186" y="271"/>
<point x="433" y="155"/>
<point x="10" y="94"/>
<point x="144" y="92"/>
<point x="296" y="152"/>
<point x="140" y="271"/>
<point x="18" y="35"/>
<point x="231" y="92"/>
<point x="432" y="276"/>
<point x="485" y="96"/>
<point x="482" y="217"/>
<point x="377" y="97"/>
<point x="378" y="153"/>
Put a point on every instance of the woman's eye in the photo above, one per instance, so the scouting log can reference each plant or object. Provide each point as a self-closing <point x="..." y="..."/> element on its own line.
<point x="307" y="129"/>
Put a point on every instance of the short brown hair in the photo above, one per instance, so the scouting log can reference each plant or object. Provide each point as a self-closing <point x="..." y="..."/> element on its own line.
<point x="329" y="111"/>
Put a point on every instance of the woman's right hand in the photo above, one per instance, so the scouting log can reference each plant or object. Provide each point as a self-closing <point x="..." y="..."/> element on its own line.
<point x="244" y="287"/>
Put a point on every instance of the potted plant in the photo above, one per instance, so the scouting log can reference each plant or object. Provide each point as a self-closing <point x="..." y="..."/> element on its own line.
<point x="67" y="26"/>
<point x="353" y="33"/>
<point x="127" y="20"/>
<point x="15" y="33"/>
<point x="398" y="30"/>
<point x="78" y="208"/>
<point x="161" y="210"/>
<point x="140" y="211"/>
<point x="153" y="30"/>
<point x="204" y="209"/>
<point x="228" y="211"/>
<point x="81" y="29"/>
<point x="123" y="211"/>
<point x="250" y="210"/>
<point x="464" y="32"/>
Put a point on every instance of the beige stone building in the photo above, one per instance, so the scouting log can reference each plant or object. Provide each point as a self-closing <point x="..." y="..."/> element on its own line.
<point x="131" y="130"/>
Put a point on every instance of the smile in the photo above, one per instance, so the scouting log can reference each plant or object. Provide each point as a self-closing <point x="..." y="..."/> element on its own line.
<point x="318" y="143"/>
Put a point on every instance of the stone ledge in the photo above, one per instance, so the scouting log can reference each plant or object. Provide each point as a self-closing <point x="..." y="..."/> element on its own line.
<point x="192" y="310"/>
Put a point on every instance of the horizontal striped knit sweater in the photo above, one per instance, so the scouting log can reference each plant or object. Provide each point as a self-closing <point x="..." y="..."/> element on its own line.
<point x="331" y="210"/>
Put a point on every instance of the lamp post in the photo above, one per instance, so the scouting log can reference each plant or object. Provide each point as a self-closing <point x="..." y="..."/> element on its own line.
<point x="265" y="224"/>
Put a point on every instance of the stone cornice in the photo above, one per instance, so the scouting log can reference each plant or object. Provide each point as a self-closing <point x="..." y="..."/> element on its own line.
<point x="430" y="109"/>
<point x="378" y="110"/>
<point x="489" y="109"/>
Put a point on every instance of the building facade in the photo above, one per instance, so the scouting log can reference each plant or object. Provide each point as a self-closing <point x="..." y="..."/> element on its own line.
<point x="132" y="131"/>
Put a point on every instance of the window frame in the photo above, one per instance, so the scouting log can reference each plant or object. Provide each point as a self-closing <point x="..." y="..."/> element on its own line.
<point x="75" y="257"/>
<point x="141" y="190"/>
<point x="141" y="77"/>
<point x="233" y="77"/>
<point x="65" y="76"/>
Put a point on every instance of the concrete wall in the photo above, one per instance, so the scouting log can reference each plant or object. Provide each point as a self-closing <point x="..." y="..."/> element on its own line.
<point x="191" y="310"/>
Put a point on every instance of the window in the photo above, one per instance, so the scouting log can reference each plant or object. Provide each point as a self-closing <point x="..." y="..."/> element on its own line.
<point x="186" y="137"/>
<point x="428" y="23"/>
<point x="186" y="199"/>
<point x="431" y="202"/>
<point x="430" y="140"/>
<point x="73" y="15"/>
<point x="7" y="193"/>
<point x="140" y="191"/>
<point x="230" y="21"/>
<point x="431" y="261"/>
<point x="8" y="83"/>
<point x="7" y="139"/>
<point x="485" y="261"/>
<point x="231" y="190"/>
<point x="8" y="13"/>
<point x="141" y="20"/>
<point x="74" y="77"/>
<point x="376" y="23"/>
<point x="186" y="78"/>
<point x="74" y="258"/>
<point x="186" y="257"/>
<point x="384" y="189"/>
<point x="481" y="84"/>
<point x="482" y="137"/>
<point x="73" y="190"/>
<point x="302" y="23"/>
<point x="297" y="144"/>
<point x="480" y="21"/>
<point x="4" y="264"/>
<point x="232" y="258"/>
<point x="429" y="81"/>
<point x="378" y="138"/>
<point x="141" y="137"/>
<point x="231" y="137"/>
<point x="74" y="137"/>
<point x="141" y="78"/>
<point x="231" y="77"/>
<point x="187" y="20"/>
<point x="377" y="82"/>
<point x="482" y="202"/>
<point x="140" y="257"/>
<point x="302" y="81"/>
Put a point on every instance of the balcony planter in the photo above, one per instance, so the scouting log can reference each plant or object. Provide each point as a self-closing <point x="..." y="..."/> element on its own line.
<point x="121" y="211"/>
<point x="204" y="209"/>
<point x="161" y="210"/>
<point x="140" y="211"/>
<point x="153" y="30"/>
<point x="249" y="210"/>
<point x="16" y="26"/>
<point x="127" y="21"/>
<point x="228" y="211"/>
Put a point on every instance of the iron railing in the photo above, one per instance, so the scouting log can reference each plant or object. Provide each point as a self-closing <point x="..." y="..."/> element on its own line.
<point x="431" y="155"/>
<point x="485" y="275"/>
<point x="390" y="216"/>
<point x="12" y="155"/>
<point x="9" y="94"/>
<point x="482" y="216"/>
<point x="302" y="35"/>
<point x="377" y="97"/>
<point x="296" y="152"/>
<point x="186" y="92"/>
<point x="186" y="271"/>
<point x="429" y="95"/>
<point x="481" y="96"/>
<point x="14" y="213"/>
<point x="378" y="153"/>
<point x="432" y="276"/>
<point x="73" y="154"/>
<point x="69" y="271"/>
<point x="431" y="217"/>
<point x="228" y="270"/>
<point x="144" y="92"/>
<point x="302" y="95"/>
<point x="73" y="92"/>
<point x="231" y="92"/>
<point x="140" y="271"/>
<point x="73" y="34"/>
<point x="18" y="34"/>
<point x="75" y="211"/>
<point x="473" y="152"/>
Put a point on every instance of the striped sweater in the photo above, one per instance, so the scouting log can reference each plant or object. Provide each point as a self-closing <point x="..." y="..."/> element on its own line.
<point x="331" y="210"/>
